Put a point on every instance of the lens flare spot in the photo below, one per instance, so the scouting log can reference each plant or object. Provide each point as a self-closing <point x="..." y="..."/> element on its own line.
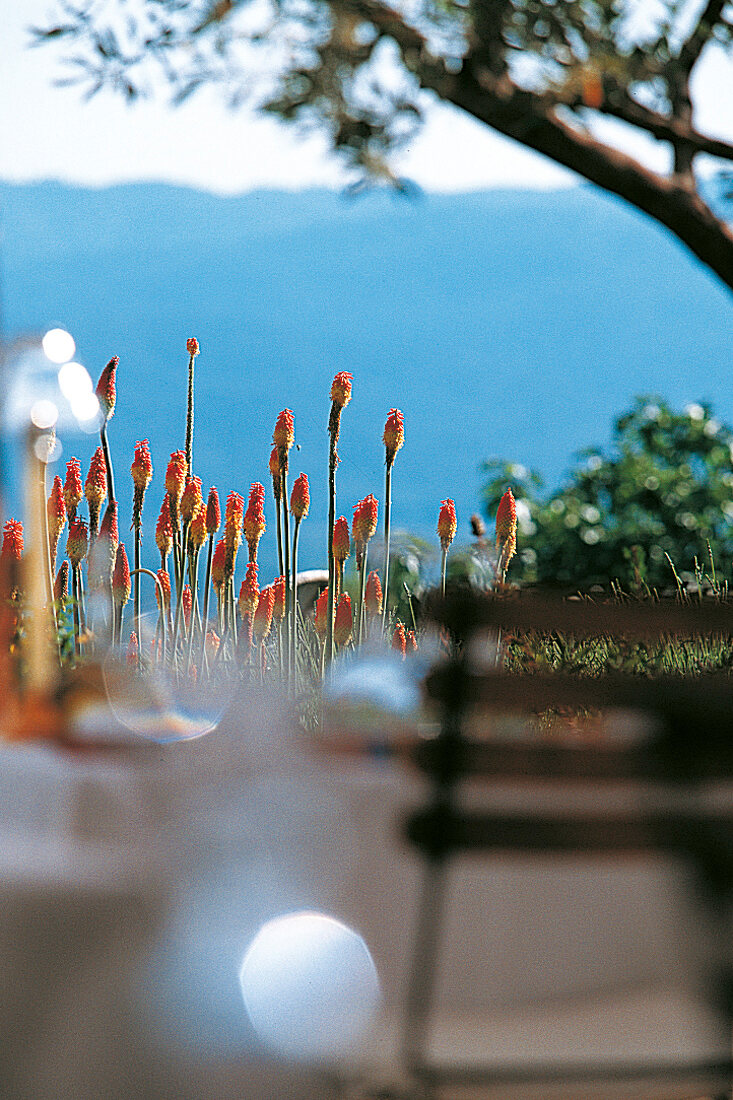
<point x="75" y="381"/>
<point x="58" y="345"/>
<point x="44" y="414"/>
<point x="310" y="987"/>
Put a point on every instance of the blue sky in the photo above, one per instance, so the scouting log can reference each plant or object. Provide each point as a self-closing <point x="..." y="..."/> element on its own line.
<point x="50" y="133"/>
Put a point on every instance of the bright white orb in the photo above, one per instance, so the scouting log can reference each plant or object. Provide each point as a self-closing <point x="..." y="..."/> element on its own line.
<point x="58" y="345"/>
<point x="75" y="381"/>
<point x="44" y="414"/>
<point x="85" y="407"/>
<point x="310" y="987"/>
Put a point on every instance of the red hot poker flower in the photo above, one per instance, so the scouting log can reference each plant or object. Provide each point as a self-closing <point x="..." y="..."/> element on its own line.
<point x="254" y="519"/>
<point x="77" y="542"/>
<point x="279" y="608"/>
<point x="263" y="615"/>
<point x="187" y="604"/>
<point x="95" y="489"/>
<point x="164" y="529"/>
<point x="394" y="434"/>
<point x="506" y="529"/>
<point x="213" y="512"/>
<point x="121" y="587"/>
<point x="61" y="584"/>
<point x="73" y="491"/>
<point x="191" y="499"/>
<point x="249" y="593"/>
<point x="192" y="346"/>
<point x="56" y="510"/>
<point x="411" y="641"/>
<point x="106" y="392"/>
<point x="165" y="585"/>
<point x="217" y="565"/>
<point x="142" y="465"/>
<point x="13" y="539"/>
<point x="447" y="523"/>
<point x="321" y="617"/>
<point x="175" y="481"/>
<point x="300" y="498"/>
<point x="373" y="595"/>
<point x="364" y="523"/>
<point x="284" y="434"/>
<point x="399" y="642"/>
<point x="343" y="625"/>
<point x="233" y="521"/>
<point x="341" y="388"/>
<point x="197" y="530"/>
<point x="341" y="541"/>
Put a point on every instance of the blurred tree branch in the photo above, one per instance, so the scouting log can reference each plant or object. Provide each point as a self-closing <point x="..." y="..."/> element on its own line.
<point x="539" y="71"/>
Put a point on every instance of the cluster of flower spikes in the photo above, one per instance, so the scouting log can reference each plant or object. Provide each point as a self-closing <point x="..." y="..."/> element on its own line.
<point x="73" y="489"/>
<point x="254" y="519"/>
<point x="447" y="523"/>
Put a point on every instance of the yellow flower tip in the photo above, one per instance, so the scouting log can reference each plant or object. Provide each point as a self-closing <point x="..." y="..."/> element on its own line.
<point x="394" y="434"/>
<point x="373" y="595"/>
<point x="343" y="626"/>
<point x="447" y="523"/>
<point x="175" y="476"/>
<point x="341" y="388"/>
<point x="300" y="497"/>
<point x="197" y="530"/>
<point x="191" y="499"/>
<point x="284" y="434"/>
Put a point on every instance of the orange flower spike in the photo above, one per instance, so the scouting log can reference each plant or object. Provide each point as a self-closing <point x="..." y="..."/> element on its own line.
<point x="344" y="624"/>
<point x="133" y="650"/>
<point x="394" y="434"/>
<point x="321" y="616"/>
<point x="279" y="608"/>
<point x="263" y="615"/>
<point x="506" y="528"/>
<point x="142" y="472"/>
<point x="399" y="641"/>
<point x="411" y="641"/>
<point x="300" y="498"/>
<point x="13" y="540"/>
<point x="373" y="595"/>
<point x="56" y="510"/>
<point x="249" y="593"/>
<point x="341" y="540"/>
<point x="187" y="604"/>
<point x="233" y="521"/>
<point x="191" y="499"/>
<point x="121" y="587"/>
<point x="95" y="489"/>
<point x="61" y="584"/>
<point x="77" y="542"/>
<point x="254" y="519"/>
<point x="165" y="586"/>
<point x="284" y="434"/>
<point x="213" y="512"/>
<point x="197" y="531"/>
<point x="447" y="523"/>
<point x="192" y="347"/>
<point x="73" y="489"/>
<point x="364" y="524"/>
<point x="164" y="529"/>
<point x="341" y="388"/>
<point x="275" y="474"/>
<point x="106" y="392"/>
<point x="217" y="565"/>
<point x="175" y="482"/>
<point x="109" y="527"/>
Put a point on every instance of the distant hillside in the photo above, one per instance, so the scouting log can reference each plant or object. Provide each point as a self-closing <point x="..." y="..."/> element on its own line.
<point x="501" y="323"/>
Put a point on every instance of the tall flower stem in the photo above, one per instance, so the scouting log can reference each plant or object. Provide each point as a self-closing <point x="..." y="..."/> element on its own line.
<point x="443" y="564"/>
<point x="286" y="546"/>
<point x="387" y="518"/>
<point x="333" y="428"/>
<point x="362" y="586"/>
<point x="189" y="418"/>
<point x="136" y="593"/>
<point x="207" y="592"/>
<point x="107" y="462"/>
<point x="278" y="513"/>
<point x="75" y="598"/>
<point x="161" y="601"/>
<point x="294" y="609"/>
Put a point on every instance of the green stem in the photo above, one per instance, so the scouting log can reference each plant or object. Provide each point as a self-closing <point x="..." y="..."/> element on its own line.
<point x="107" y="462"/>
<point x="278" y="513"/>
<point x="332" y="463"/>
<point x="75" y="598"/>
<point x="207" y="592"/>
<point x="189" y="419"/>
<point x="443" y="563"/>
<point x="136" y="594"/>
<point x="294" y="619"/>
<point x="387" y="517"/>
<point x="362" y="588"/>
<point x="286" y="546"/>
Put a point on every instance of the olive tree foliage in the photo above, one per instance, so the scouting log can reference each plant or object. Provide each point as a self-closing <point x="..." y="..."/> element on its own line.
<point x="542" y="72"/>
<point x="643" y="511"/>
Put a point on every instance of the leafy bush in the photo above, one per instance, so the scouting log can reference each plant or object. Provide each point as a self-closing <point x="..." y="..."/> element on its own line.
<point x="663" y="492"/>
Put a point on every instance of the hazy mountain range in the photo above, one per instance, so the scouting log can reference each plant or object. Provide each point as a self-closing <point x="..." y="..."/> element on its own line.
<point x="501" y="323"/>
